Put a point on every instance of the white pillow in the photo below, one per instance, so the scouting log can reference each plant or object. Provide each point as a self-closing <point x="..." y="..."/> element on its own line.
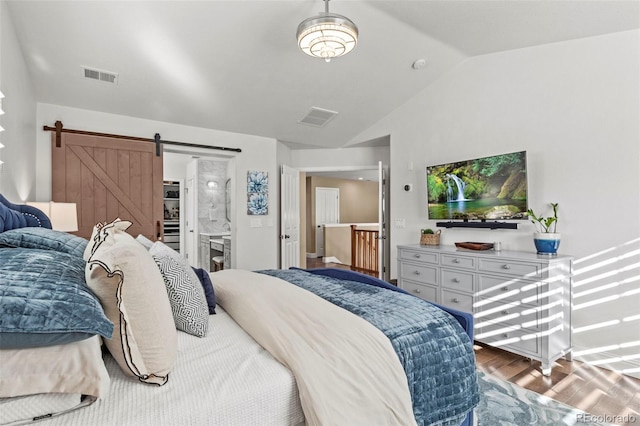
<point x="186" y="295"/>
<point x="75" y="368"/>
<point x="123" y="275"/>
<point x="147" y="243"/>
<point x="94" y="240"/>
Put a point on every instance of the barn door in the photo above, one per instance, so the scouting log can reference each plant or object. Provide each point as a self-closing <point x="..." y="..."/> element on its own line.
<point x="109" y="178"/>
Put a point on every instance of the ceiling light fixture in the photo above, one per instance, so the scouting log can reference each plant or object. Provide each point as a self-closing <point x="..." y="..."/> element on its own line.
<point x="327" y="35"/>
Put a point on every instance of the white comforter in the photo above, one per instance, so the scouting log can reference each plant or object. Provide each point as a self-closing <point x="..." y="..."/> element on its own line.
<point x="346" y="369"/>
<point x="224" y="378"/>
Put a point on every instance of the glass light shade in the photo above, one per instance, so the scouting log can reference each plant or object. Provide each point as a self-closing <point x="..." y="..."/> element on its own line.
<point x="327" y="36"/>
<point x="63" y="216"/>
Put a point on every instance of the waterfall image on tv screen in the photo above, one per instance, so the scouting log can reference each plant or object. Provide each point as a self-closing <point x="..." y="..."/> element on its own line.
<point x="489" y="188"/>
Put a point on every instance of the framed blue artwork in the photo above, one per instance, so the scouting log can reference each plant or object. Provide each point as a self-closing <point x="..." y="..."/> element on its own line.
<point x="257" y="193"/>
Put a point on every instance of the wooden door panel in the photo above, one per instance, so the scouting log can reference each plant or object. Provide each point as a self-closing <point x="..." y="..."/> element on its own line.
<point x="109" y="178"/>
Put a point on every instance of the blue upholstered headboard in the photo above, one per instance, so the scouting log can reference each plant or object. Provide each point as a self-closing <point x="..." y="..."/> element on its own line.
<point x="14" y="216"/>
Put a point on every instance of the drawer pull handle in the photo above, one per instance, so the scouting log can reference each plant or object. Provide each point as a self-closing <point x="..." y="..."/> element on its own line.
<point x="417" y="256"/>
<point x="456" y="260"/>
<point x="455" y="280"/>
<point x="417" y="290"/>
<point x="505" y="335"/>
<point x="505" y="289"/>
<point x="416" y="272"/>
<point x="506" y="267"/>
<point x="505" y="312"/>
<point x="455" y="300"/>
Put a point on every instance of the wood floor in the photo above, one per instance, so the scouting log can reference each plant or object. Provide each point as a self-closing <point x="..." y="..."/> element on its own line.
<point x="600" y="392"/>
<point x="595" y="390"/>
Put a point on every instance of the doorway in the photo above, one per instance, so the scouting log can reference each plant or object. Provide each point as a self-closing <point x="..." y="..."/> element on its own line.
<point x="209" y="182"/>
<point x="373" y="200"/>
<point x="327" y="212"/>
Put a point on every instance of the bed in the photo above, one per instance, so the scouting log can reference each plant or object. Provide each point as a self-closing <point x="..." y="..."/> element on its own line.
<point x="266" y="349"/>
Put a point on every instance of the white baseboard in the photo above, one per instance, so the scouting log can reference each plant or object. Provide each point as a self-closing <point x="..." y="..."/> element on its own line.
<point x="331" y="259"/>
<point x="312" y="255"/>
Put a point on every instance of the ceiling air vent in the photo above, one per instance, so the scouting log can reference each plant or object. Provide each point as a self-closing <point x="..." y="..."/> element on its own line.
<point x="100" y="75"/>
<point x="318" y="117"/>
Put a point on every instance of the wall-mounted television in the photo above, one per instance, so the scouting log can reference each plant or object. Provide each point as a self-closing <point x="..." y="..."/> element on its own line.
<point x="488" y="188"/>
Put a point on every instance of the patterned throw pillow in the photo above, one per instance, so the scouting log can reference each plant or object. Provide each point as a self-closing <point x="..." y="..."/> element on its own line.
<point x="186" y="295"/>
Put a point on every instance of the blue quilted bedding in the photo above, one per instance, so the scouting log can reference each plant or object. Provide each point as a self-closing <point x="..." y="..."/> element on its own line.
<point x="44" y="300"/>
<point x="436" y="353"/>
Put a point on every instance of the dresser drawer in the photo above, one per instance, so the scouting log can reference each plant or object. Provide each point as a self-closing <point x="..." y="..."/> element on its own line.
<point x="458" y="261"/>
<point x="420" y="273"/>
<point x="418" y="256"/>
<point x="500" y="289"/>
<point x="422" y="291"/>
<point x="216" y="245"/>
<point x="457" y="280"/>
<point x="513" y="313"/>
<point x="461" y="302"/>
<point x="520" y="269"/>
<point x="508" y="337"/>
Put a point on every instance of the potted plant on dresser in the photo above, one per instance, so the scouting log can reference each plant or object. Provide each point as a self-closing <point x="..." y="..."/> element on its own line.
<point x="546" y="239"/>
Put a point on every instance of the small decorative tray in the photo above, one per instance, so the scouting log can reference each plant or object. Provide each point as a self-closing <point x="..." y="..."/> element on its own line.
<point x="474" y="246"/>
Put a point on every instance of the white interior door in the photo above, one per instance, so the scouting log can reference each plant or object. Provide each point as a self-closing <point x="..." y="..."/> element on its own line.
<point x="190" y="208"/>
<point x="289" y="217"/>
<point x="382" y="223"/>
<point x="327" y="212"/>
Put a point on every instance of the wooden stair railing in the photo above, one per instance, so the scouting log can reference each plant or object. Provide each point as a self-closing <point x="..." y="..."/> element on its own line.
<point x="364" y="250"/>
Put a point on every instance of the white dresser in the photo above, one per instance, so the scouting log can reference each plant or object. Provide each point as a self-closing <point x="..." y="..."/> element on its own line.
<point x="520" y="301"/>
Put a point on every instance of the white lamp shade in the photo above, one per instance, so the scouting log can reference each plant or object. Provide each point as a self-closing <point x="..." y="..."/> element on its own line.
<point x="63" y="216"/>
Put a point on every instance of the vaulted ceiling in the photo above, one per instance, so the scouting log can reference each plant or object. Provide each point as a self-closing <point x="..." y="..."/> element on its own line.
<point x="235" y="65"/>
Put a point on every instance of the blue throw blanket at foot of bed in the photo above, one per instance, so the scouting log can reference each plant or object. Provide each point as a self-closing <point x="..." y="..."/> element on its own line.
<point x="436" y="353"/>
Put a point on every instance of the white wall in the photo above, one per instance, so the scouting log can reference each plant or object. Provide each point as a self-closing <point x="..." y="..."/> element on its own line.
<point x="575" y="108"/>
<point x="175" y="165"/>
<point x="17" y="176"/>
<point x="340" y="157"/>
<point x="254" y="247"/>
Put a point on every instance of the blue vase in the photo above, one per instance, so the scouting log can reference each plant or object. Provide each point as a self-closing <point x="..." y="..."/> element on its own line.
<point x="546" y="242"/>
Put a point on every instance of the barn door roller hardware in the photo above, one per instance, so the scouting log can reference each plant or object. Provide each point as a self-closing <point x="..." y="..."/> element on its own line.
<point x="156" y="139"/>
